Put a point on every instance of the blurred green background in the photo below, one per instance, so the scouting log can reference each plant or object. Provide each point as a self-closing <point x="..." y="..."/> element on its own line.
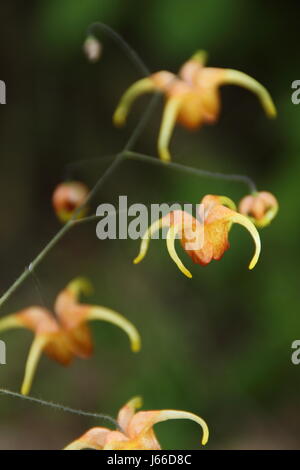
<point x="218" y="345"/>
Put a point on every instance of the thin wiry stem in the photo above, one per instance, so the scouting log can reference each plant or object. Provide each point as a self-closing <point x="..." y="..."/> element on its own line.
<point x="108" y="172"/>
<point x="67" y="409"/>
<point x="191" y="170"/>
<point x="131" y="53"/>
<point x="126" y="153"/>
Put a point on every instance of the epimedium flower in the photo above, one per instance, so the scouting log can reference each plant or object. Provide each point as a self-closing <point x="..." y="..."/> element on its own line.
<point x="135" y="430"/>
<point x="192" y="96"/>
<point x="66" y="335"/>
<point x="203" y="240"/>
<point x="261" y="207"/>
<point x="67" y="198"/>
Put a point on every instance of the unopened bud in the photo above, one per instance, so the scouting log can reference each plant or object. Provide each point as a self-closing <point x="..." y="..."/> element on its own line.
<point x="67" y="198"/>
<point x="92" y="48"/>
<point x="260" y="207"/>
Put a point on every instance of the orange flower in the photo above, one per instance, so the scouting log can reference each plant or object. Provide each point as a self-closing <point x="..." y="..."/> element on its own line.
<point x="68" y="197"/>
<point x="192" y="97"/>
<point x="67" y="335"/>
<point x="202" y="240"/>
<point x="136" y="430"/>
<point x="261" y="207"/>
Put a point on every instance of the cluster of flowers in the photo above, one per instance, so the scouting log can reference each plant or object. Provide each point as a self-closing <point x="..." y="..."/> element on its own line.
<point x="192" y="99"/>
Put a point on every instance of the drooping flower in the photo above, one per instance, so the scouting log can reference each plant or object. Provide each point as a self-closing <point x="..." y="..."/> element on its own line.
<point x="67" y="198"/>
<point x="136" y="430"/>
<point x="67" y="335"/>
<point x="203" y="240"/>
<point x="260" y="207"/>
<point x="192" y="97"/>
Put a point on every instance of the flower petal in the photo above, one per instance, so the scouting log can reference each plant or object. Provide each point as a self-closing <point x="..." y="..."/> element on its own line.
<point x="36" y="319"/>
<point x="140" y="87"/>
<point x="94" y="438"/>
<point x="127" y="412"/>
<point x="171" y="237"/>
<point x="234" y="77"/>
<point x="169" y="118"/>
<point x="157" y="225"/>
<point x="245" y="222"/>
<point x="143" y="421"/>
<point x="11" y="321"/>
<point x="106" y="314"/>
<point x="34" y="355"/>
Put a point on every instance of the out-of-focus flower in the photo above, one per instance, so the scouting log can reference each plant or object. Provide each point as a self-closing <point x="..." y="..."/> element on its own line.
<point x="92" y="48"/>
<point x="210" y="234"/>
<point x="260" y="207"/>
<point x="67" y="198"/>
<point x="192" y="97"/>
<point x="67" y="335"/>
<point x="136" y="430"/>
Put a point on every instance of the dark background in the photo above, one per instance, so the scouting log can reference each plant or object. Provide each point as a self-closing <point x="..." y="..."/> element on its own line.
<point x="218" y="345"/>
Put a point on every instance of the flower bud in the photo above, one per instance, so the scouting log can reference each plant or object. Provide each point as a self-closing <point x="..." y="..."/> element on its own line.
<point x="260" y="207"/>
<point x="67" y="198"/>
<point x="92" y="48"/>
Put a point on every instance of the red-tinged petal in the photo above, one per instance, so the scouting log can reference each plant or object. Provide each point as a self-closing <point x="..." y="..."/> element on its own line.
<point x="192" y="113"/>
<point x="40" y="321"/>
<point x="116" y="440"/>
<point x="73" y="316"/>
<point x="215" y="234"/>
<point x="69" y="297"/>
<point x="59" y="348"/>
<point x="55" y="345"/>
<point x="269" y="198"/>
<point x="81" y="342"/>
<point x="94" y="438"/>
<point x="163" y="80"/>
<point x="37" y="319"/>
<point x="127" y="412"/>
<point x="188" y="72"/>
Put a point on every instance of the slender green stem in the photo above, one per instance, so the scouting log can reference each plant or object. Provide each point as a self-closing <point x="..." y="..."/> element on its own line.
<point x="191" y="170"/>
<point x="108" y="172"/>
<point x="90" y="414"/>
<point x="116" y="162"/>
<point x="131" y="53"/>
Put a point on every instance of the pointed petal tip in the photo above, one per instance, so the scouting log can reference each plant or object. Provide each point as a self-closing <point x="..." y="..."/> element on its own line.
<point x="165" y="155"/>
<point x="205" y="430"/>
<point x="246" y="222"/>
<point x="272" y="112"/>
<point x="253" y="263"/>
<point x="119" y="117"/>
<point x="200" y="56"/>
<point x="171" y="237"/>
<point x="136" y="345"/>
<point x="25" y="389"/>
